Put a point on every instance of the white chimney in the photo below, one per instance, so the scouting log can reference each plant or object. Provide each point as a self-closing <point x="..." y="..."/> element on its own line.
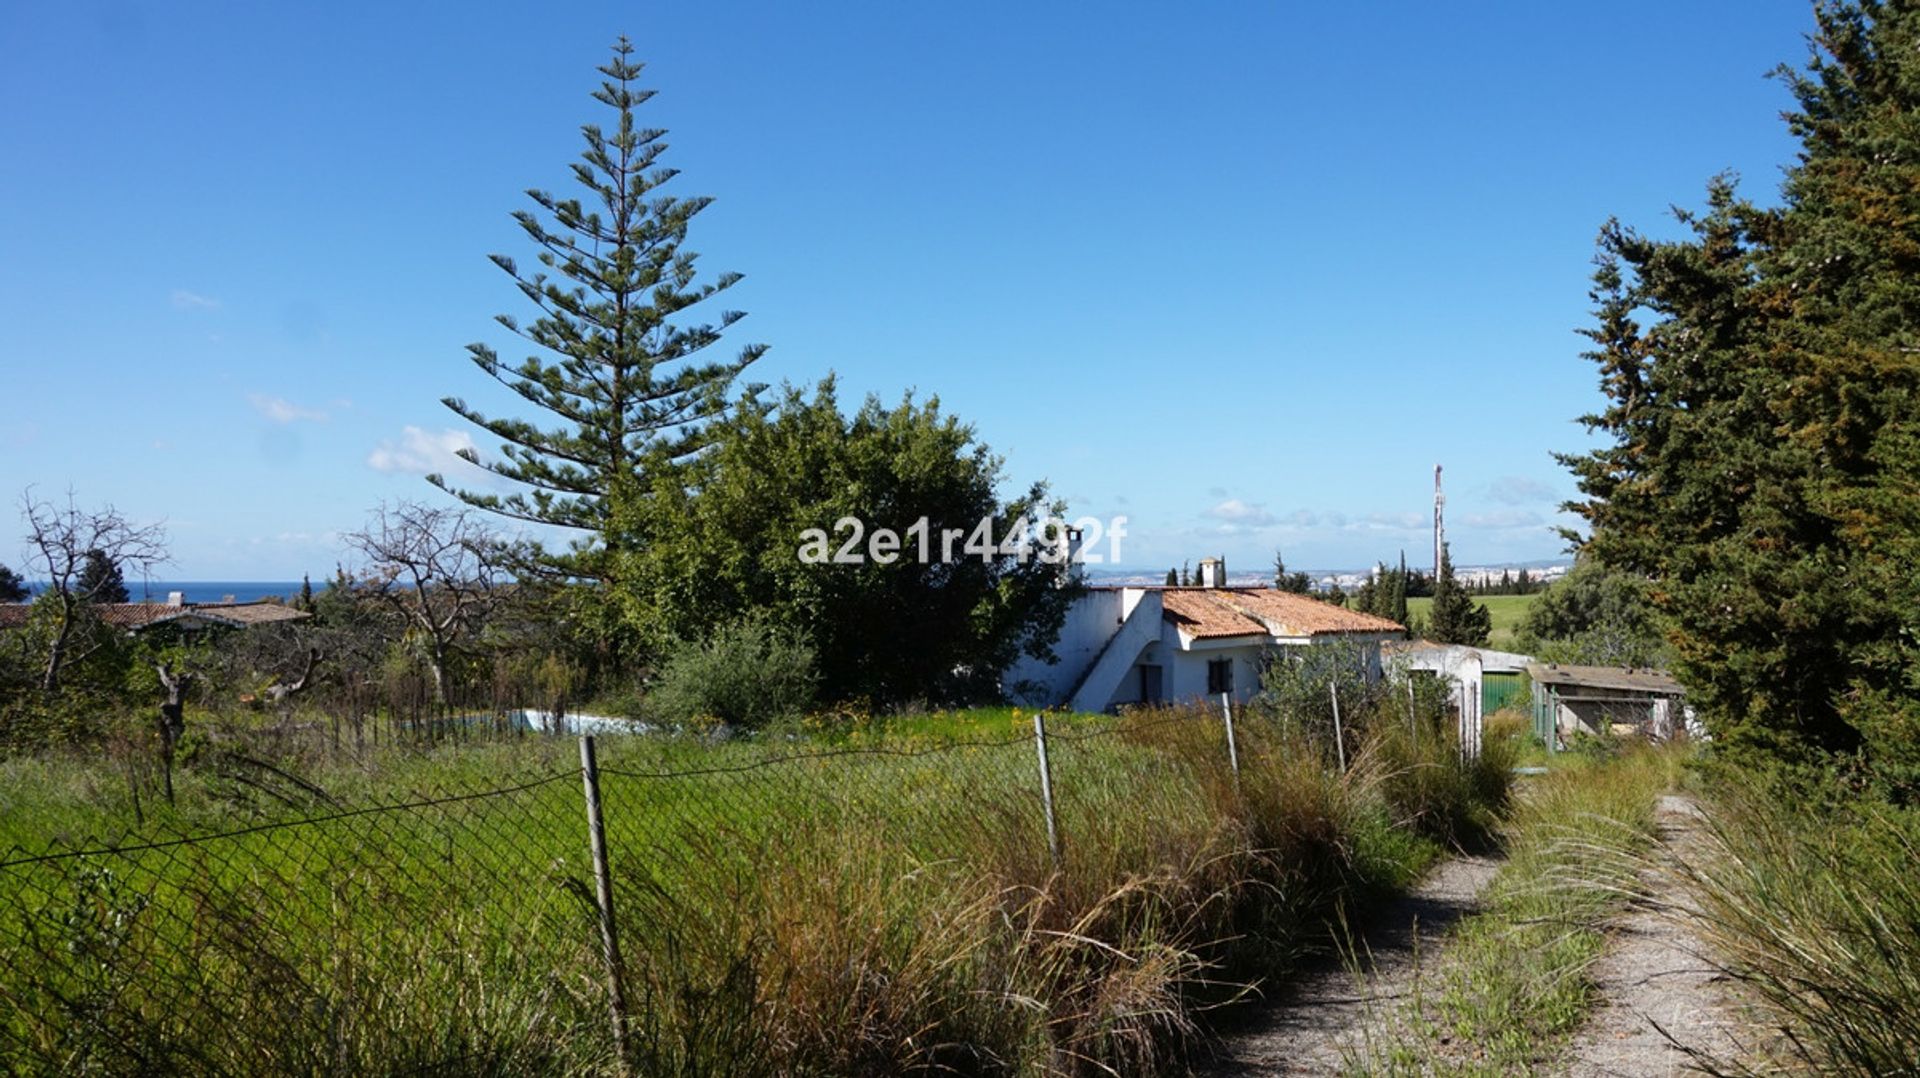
<point x="1070" y="544"/>
<point x="176" y="598"/>
<point x="1213" y="572"/>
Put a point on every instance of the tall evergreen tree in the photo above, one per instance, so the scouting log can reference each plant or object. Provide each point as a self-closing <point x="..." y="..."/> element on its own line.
<point x="1370" y="599"/>
<point x="621" y="383"/>
<point x="1454" y="617"/>
<point x="1397" y="599"/>
<point x="1173" y="577"/>
<point x="1762" y="427"/>
<point x="1298" y="583"/>
<point x="101" y="580"/>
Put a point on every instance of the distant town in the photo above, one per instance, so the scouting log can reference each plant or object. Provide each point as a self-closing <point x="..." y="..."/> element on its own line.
<point x="1475" y="576"/>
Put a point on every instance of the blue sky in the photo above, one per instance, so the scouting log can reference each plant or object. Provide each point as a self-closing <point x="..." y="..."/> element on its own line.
<point x="1243" y="272"/>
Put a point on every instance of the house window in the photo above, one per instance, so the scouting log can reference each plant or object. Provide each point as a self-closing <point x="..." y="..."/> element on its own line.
<point x="1219" y="676"/>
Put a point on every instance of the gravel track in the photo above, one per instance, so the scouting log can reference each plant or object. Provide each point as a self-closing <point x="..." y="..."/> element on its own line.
<point x="1312" y="1021"/>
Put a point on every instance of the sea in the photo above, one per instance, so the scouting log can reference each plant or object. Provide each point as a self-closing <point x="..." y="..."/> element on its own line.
<point x="214" y="591"/>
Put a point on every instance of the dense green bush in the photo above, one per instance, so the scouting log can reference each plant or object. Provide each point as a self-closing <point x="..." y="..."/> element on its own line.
<point x="747" y="674"/>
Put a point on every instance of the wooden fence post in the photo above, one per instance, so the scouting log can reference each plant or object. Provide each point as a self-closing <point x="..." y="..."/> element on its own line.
<point x="603" y="899"/>
<point x="1339" y="738"/>
<point x="1046" y="786"/>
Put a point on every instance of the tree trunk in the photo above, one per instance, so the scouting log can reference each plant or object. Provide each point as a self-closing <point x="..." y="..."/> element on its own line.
<point x="437" y="663"/>
<point x="173" y="719"/>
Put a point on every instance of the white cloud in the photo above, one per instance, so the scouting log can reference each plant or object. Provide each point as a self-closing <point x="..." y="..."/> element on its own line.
<point x="1519" y="490"/>
<point x="1395" y="521"/>
<point x="1504" y="518"/>
<point x="1236" y="512"/>
<point x="422" y="452"/>
<point x="192" y="301"/>
<point x="282" y="410"/>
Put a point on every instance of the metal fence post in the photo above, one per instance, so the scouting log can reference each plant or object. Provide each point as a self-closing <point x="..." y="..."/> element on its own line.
<point x="603" y="899"/>
<point x="1339" y="738"/>
<point x="1046" y="785"/>
<point x="1233" y="750"/>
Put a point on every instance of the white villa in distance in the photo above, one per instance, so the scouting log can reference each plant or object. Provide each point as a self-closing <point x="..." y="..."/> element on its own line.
<point x="1147" y="645"/>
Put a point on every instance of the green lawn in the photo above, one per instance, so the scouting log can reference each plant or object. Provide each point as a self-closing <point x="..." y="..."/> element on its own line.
<point x="1507" y="610"/>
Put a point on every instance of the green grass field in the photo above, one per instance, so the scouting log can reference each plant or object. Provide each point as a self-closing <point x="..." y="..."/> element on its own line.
<point x="873" y="897"/>
<point x="1507" y="610"/>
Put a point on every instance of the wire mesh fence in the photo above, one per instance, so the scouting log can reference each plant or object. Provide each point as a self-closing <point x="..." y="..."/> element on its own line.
<point x="461" y="931"/>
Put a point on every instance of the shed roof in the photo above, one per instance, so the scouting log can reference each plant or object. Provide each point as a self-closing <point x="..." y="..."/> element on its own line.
<point x="1616" y="678"/>
<point x="1425" y="654"/>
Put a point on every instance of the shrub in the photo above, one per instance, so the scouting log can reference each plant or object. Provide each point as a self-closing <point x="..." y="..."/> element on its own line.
<point x="1433" y="791"/>
<point x="1296" y="686"/>
<point x="747" y="674"/>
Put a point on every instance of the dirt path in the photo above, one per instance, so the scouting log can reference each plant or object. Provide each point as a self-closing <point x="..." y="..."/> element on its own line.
<point x="1310" y="1024"/>
<point x="1655" y="987"/>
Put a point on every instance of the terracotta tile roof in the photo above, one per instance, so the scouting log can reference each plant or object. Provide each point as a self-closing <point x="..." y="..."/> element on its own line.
<point x="1301" y="615"/>
<point x="259" y="612"/>
<point x="1219" y="612"/>
<point x="137" y="616"/>
<point x="1199" y="613"/>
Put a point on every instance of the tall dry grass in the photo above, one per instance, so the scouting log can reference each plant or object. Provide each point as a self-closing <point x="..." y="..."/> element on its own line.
<point x="781" y="911"/>
<point x="1814" y="906"/>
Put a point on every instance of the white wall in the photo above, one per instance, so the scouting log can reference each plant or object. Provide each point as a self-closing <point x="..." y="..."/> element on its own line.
<point x="1189" y="680"/>
<point x="1091" y="621"/>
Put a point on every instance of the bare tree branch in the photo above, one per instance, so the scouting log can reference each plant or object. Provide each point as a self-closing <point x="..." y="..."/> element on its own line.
<point x="439" y="568"/>
<point x="59" y="539"/>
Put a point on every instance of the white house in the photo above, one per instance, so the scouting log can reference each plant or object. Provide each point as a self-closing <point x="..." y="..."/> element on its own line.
<point x="1142" y="645"/>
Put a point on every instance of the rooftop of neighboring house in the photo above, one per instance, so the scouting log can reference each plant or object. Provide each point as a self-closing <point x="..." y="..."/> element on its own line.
<point x="1204" y="612"/>
<point x="134" y="617"/>
<point x="1611" y="678"/>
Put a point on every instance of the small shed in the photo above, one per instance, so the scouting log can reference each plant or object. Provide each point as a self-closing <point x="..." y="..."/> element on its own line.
<point x="1602" y="700"/>
<point x="1502" y="673"/>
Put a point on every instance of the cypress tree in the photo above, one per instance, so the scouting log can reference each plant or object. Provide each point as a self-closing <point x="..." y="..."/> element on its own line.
<point x="620" y="383"/>
<point x="1298" y="583"/>
<point x="1397" y="599"/>
<point x="1455" y="618"/>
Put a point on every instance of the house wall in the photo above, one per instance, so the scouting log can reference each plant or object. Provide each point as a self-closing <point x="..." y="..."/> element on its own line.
<point x="1091" y="621"/>
<point x="1190" y="677"/>
<point x="1190" y="670"/>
